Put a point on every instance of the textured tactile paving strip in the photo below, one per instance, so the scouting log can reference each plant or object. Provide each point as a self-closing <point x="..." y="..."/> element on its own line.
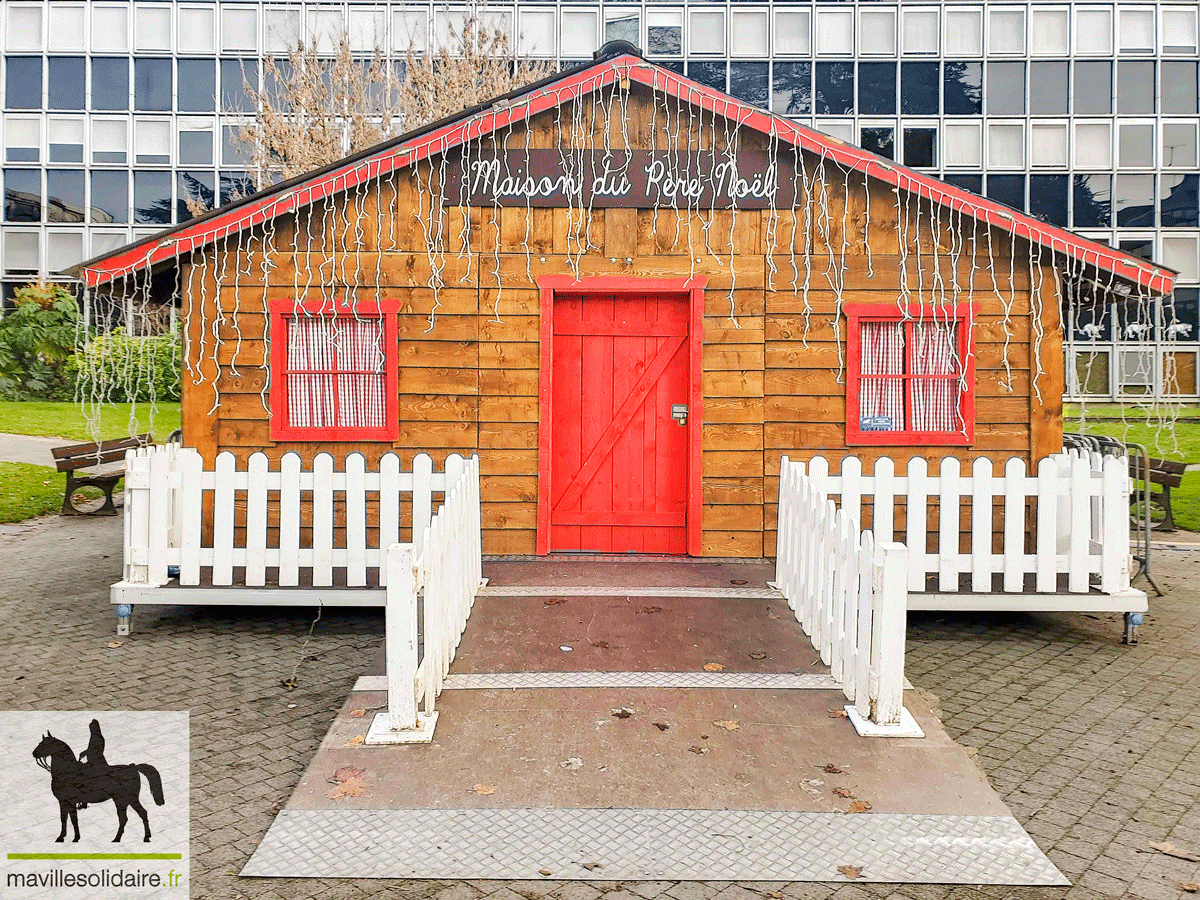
<point x="649" y="844"/>
<point x="542" y="590"/>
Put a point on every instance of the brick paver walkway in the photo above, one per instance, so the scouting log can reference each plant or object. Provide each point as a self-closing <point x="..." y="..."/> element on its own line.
<point x="1094" y="746"/>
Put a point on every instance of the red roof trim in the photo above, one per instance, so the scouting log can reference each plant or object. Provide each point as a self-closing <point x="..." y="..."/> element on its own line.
<point x="1156" y="278"/>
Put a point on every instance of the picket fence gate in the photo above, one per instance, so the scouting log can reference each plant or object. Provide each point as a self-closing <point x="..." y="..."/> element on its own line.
<point x="848" y="594"/>
<point x="1063" y="530"/>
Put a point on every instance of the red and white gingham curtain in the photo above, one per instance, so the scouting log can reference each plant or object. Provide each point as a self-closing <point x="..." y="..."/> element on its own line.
<point x="361" y="393"/>
<point x="934" y="387"/>
<point x="882" y="345"/>
<point x="336" y="373"/>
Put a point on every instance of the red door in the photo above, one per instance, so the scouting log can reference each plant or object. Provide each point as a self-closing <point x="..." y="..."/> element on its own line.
<point x="619" y="461"/>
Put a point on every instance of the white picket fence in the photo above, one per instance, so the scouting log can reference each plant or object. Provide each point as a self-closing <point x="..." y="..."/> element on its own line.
<point x="848" y="593"/>
<point x="1064" y="528"/>
<point x="309" y="527"/>
<point x="447" y="572"/>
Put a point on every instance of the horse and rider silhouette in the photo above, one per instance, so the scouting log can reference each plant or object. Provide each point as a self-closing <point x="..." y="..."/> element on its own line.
<point x="90" y="779"/>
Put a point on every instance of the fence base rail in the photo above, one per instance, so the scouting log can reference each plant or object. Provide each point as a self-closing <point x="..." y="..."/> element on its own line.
<point x="907" y="727"/>
<point x="381" y="731"/>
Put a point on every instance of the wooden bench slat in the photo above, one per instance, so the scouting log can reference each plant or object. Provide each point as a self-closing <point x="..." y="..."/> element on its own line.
<point x="84" y="456"/>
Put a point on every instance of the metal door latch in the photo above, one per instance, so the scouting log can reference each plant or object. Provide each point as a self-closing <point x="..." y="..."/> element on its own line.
<point x="679" y="412"/>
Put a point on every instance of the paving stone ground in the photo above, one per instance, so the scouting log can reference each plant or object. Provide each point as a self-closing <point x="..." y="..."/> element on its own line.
<point x="1094" y="746"/>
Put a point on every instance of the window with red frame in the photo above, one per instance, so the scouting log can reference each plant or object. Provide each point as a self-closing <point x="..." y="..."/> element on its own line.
<point x="910" y="376"/>
<point x="333" y="372"/>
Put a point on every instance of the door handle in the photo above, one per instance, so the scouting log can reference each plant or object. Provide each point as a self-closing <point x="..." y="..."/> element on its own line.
<point x="679" y="412"/>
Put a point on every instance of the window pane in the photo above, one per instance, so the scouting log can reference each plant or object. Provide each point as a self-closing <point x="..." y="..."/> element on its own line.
<point x="1048" y="198"/>
<point x="964" y="88"/>
<point x="964" y="32"/>
<point x="67" y="27"/>
<point x="235" y="186"/>
<point x="1133" y="197"/>
<point x="835" y="88"/>
<point x="24" y="28"/>
<point x="1180" y="252"/>
<point x="1093" y="201"/>
<point x="1006" y="146"/>
<point x="110" y="29"/>
<point x="623" y="26"/>
<point x="920" y="147"/>
<point x="1048" y="144"/>
<point x="1093" y="145"/>
<point x="1048" y="88"/>
<point x="22" y="195"/>
<point x="710" y="73"/>
<point x="110" y="197"/>
<point x="1007" y="189"/>
<point x="1141" y="247"/>
<point x="197" y="194"/>
<point x="1181" y="201"/>
<point x="1179" y="31"/>
<point x="1179" y="145"/>
<point x="239" y="28"/>
<point x="281" y="29"/>
<point x="919" y="87"/>
<point x="578" y="32"/>
<point x="972" y="183"/>
<point x="835" y="32"/>
<point x="1135" y="145"/>
<point x="748" y="81"/>
<point x="1179" y="87"/>
<point x="235" y="74"/>
<point x="1136" y="30"/>
<point x="22" y="140"/>
<point x="791" y="32"/>
<point x="1006" y="33"/>
<point x="877" y="88"/>
<point x="21" y="252"/>
<point x="152" y="142"/>
<point x="933" y="401"/>
<point x="1005" y="88"/>
<point x="65" y="81"/>
<point x="962" y="144"/>
<point x="110" y="83"/>
<point x="152" y="26"/>
<point x="1091" y="372"/>
<point x="881" y="400"/>
<point x="749" y="32"/>
<point x="152" y="198"/>
<point x="1049" y="30"/>
<point x="877" y="32"/>
<point x="197" y="85"/>
<point x="1135" y="86"/>
<point x="792" y="91"/>
<point x="664" y="32"/>
<point x="64" y="195"/>
<point x="232" y="152"/>
<point x="195" y="148"/>
<point x="63" y="250"/>
<point x="1093" y="88"/>
<point x="879" y="140"/>
<point x="23" y="82"/>
<point x="66" y="140"/>
<point x="152" y="84"/>
<point x="920" y="31"/>
<point x="197" y="30"/>
<point x="1093" y="32"/>
<point x="1181" y="314"/>
<point x="707" y="32"/>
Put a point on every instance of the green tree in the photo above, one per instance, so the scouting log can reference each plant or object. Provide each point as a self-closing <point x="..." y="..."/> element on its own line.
<point x="37" y="338"/>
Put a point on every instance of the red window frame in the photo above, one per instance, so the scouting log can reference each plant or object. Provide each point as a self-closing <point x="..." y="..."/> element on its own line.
<point x="286" y="309"/>
<point x="858" y="313"/>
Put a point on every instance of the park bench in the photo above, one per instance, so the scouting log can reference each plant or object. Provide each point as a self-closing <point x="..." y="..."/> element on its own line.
<point x="99" y="465"/>
<point x="1166" y="475"/>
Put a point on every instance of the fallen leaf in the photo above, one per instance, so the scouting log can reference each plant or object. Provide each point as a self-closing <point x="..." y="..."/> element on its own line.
<point x="700" y="751"/>
<point x="811" y="786"/>
<point x="623" y="713"/>
<point x="345" y="773"/>
<point x="113" y="645"/>
<point x="603" y="645"/>
<point x="484" y="789"/>
<point x="837" y="714"/>
<point x="357" y="739"/>
<point x="832" y="769"/>
<point x="851" y="872"/>
<point x="775" y="895"/>
<point x="1169" y="849"/>
<point x="649" y="610"/>
<point x="591" y="865"/>
<point x="758" y="654"/>
<point x="771" y="615"/>
<point x="738" y="581"/>
<point x="727" y="724"/>
<point x="661" y="726"/>
<point x="843" y="792"/>
<point x="45" y="483"/>
<point x="554" y="601"/>
<point x="290" y="682"/>
<point x="544" y="872"/>
<point x="860" y="806"/>
<point x="349" y="786"/>
<point x="713" y="667"/>
<point x="573" y="762"/>
<point x="1191" y="887"/>
<point x="357" y="713"/>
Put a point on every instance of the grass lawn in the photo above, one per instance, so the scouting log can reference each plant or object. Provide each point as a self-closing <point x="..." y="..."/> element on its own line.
<point x="27" y="491"/>
<point x="66" y="420"/>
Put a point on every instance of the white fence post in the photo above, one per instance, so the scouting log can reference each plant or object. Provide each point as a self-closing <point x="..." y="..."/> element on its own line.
<point x="890" y="621"/>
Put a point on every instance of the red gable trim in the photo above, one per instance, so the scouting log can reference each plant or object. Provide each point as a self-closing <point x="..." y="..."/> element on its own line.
<point x="182" y="240"/>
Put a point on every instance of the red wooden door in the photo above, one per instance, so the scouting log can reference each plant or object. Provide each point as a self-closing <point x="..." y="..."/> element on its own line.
<point x="619" y="462"/>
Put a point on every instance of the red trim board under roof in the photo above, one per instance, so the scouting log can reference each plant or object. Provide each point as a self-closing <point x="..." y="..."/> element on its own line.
<point x="439" y="138"/>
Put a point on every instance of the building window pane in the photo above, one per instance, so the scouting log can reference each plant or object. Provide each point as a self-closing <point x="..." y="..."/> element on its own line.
<point x="920" y="147"/>
<point x="66" y="140"/>
<point x="1181" y="314"/>
<point x="749" y="32"/>
<point x="835" y="32"/>
<point x="63" y="250"/>
<point x="1179" y="31"/>
<point x="110" y="197"/>
<point x="235" y="75"/>
<point x="1006" y="146"/>
<point x="1136" y="29"/>
<point x="22" y="195"/>
<point x="621" y="25"/>
<point x="1133" y="197"/>
<point x="233" y="153"/>
<point x="152" y="83"/>
<point x="1049" y="30"/>
<point x="962" y="144"/>
<point x="197" y="30"/>
<point x="110" y="141"/>
<point x="110" y="83"/>
<point x="877" y="32"/>
<point x="972" y="183"/>
<point x="1135" y="145"/>
<point x="195" y="147"/>
<point x="1048" y="88"/>
<point x="24" y="30"/>
<point x="1179" y="145"/>
<point x="919" y="87"/>
<point x="22" y="140"/>
<point x="21" y="253"/>
<point x="664" y="32"/>
<point x="1006" y="31"/>
<point x="1093" y="32"/>
<point x="835" y="88"/>
<point x="152" y="27"/>
<point x="577" y="33"/>
<point x="64" y="195"/>
<point x="1182" y="253"/>
<point x="239" y="28"/>
<point x="65" y="82"/>
<point x="1092" y="203"/>
<point x="152" y="198"/>
<point x="110" y="29"/>
<point x="235" y="186"/>
<point x="1006" y="88"/>
<point x="368" y="27"/>
<point x="1181" y="201"/>
<point x="791" y="94"/>
<point x="282" y="32"/>
<point x="537" y="32"/>
<point x="707" y="31"/>
<point x="1092" y="88"/>
<point x="1179" y="87"/>
<point x="67" y="27"/>
<point x="792" y="29"/>
<point x="708" y="72"/>
<point x="879" y="140"/>
<point x="1048" y="145"/>
<point x="197" y="85"/>
<point x="197" y="194"/>
<point x="1007" y="189"/>
<point x="1048" y="198"/>
<point x="1093" y="145"/>
<point x="920" y="31"/>
<point x="152" y="142"/>
<point x="23" y="82"/>
<point x="964" y="32"/>
<point x="877" y="88"/>
<point x="1092" y="372"/>
<point x="749" y="81"/>
<point x="1135" y="86"/>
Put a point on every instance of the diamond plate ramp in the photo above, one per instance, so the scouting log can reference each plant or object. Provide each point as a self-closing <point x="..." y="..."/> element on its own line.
<point x="648" y="844"/>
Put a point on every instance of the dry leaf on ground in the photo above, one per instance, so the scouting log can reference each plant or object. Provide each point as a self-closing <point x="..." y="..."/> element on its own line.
<point x="345" y="773"/>
<point x="727" y="724"/>
<point x="357" y="739"/>
<point x="623" y="713"/>
<point x="774" y="894"/>
<point x="484" y="789"/>
<point x="837" y="714"/>
<point x="860" y="806"/>
<point x="357" y="713"/>
<point x="851" y="872"/>
<point x="648" y="610"/>
<point x="661" y="726"/>
<point x="699" y="751"/>
<point x="771" y="615"/>
<point x="1169" y="849"/>
<point x="573" y="762"/>
<point x="603" y="645"/>
<point x="1191" y="887"/>
<point x="554" y="601"/>
<point x="738" y="581"/>
<point x="591" y="865"/>
<point x="832" y="769"/>
<point x="545" y="872"/>
<point x="758" y="654"/>
<point x="348" y="784"/>
<point x="713" y="667"/>
<point x="843" y="792"/>
<point x="113" y="645"/>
